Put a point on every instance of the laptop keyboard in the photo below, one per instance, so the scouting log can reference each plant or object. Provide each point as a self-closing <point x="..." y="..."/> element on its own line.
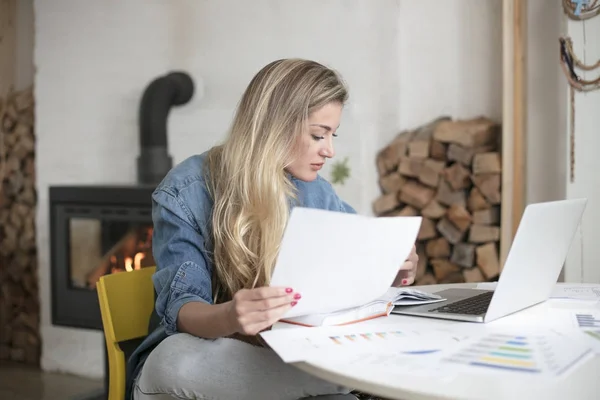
<point x="473" y="305"/>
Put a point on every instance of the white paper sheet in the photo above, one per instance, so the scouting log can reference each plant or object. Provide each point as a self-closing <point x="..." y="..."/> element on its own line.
<point x="343" y="343"/>
<point x="437" y="351"/>
<point x="411" y="302"/>
<point x="583" y="326"/>
<point x="591" y="337"/>
<point x="405" y="296"/>
<point x="586" y="318"/>
<point x="337" y="260"/>
<point x="523" y="351"/>
<point x="387" y="366"/>
<point x="574" y="291"/>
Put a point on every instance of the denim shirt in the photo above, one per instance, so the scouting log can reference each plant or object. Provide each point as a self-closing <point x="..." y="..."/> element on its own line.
<point x="181" y="212"/>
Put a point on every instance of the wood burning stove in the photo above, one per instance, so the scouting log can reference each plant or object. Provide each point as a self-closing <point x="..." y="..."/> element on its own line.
<point x="95" y="230"/>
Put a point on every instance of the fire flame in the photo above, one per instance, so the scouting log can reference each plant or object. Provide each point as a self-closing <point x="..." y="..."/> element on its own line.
<point x="137" y="260"/>
<point x="132" y="252"/>
<point x="142" y="242"/>
<point x="128" y="262"/>
<point x="134" y="263"/>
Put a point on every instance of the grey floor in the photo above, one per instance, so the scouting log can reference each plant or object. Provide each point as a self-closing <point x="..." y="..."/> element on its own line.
<point x="20" y="382"/>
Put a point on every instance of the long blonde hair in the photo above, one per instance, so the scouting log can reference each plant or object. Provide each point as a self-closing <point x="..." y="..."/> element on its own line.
<point x="246" y="174"/>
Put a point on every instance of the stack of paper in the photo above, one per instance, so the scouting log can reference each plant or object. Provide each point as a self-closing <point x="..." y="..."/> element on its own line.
<point x="410" y="297"/>
<point x="380" y="307"/>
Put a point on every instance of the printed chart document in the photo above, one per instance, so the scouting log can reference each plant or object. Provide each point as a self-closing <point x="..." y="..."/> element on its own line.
<point x="583" y="325"/>
<point x="337" y="260"/>
<point x="577" y="291"/>
<point x="390" y="366"/>
<point x="386" y="349"/>
<point x="436" y="351"/>
<point x="341" y="343"/>
<point x="588" y="322"/>
<point x="570" y="291"/>
<point x="519" y="351"/>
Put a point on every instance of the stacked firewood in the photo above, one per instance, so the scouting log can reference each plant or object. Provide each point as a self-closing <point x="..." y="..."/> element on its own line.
<point x="19" y="298"/>
<point x="449" y="172"/>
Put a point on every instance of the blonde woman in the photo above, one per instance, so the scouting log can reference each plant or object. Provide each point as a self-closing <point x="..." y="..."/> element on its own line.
<point x="218" y="221"/>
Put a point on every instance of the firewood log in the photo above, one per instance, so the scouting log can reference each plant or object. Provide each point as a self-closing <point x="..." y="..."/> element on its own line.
<point x="20" y="339"/>
<point x="450" y="173"/>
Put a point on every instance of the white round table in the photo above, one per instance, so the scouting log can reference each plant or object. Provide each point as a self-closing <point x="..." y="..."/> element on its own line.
<point x="579" y="384"/>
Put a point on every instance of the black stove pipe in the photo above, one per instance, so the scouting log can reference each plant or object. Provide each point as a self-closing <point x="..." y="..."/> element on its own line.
<point x="173" y="89"/>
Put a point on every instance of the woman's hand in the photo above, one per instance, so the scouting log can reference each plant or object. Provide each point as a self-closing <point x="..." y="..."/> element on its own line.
<point x="408" y="270"/>
<point x="254" y="310"/>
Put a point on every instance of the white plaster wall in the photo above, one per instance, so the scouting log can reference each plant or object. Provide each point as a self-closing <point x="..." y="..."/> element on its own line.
<point x="546" y="113"/>
<point x="583" y="261"/>
<point x="405" y="63"/>
<point x="450" y="60"/>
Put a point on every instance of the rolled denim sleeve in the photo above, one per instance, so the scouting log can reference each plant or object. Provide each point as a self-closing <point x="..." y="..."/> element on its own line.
<point x="183" y="273"/>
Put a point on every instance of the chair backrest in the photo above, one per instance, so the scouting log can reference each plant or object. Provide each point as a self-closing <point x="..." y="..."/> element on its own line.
<point x="126" y="304"/>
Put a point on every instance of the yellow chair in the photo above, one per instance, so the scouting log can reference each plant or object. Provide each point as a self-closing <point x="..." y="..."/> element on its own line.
<point x="126" y="304"/>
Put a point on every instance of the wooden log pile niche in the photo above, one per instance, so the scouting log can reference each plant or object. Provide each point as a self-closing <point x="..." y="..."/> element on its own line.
<point x="449" y="172"/>
<point x="19" y="298"/>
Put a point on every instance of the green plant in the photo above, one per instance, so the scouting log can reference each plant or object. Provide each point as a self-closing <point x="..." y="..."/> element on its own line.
<point x="340" y="172"/>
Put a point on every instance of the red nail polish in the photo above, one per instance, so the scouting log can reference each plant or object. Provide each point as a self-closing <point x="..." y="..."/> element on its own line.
<point x="294" y="303"/>
<point x="297" y="296"/>
<point x="404" y="281"/>
<point x="288" y="290"/>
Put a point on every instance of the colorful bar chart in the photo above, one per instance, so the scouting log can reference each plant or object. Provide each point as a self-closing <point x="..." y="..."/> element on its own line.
<point x="514" y="353"/>
<point x="366" y="337"/>
<point x="336" y="339"/>
<point x="585" y="320"/>
<point x="531" y="354"/>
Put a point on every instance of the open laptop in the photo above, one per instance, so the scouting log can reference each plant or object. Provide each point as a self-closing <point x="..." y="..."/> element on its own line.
<point x="532" y="268"/>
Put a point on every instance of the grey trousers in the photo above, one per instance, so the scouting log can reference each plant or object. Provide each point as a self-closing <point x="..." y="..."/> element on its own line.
<point x="186" y="367"/>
